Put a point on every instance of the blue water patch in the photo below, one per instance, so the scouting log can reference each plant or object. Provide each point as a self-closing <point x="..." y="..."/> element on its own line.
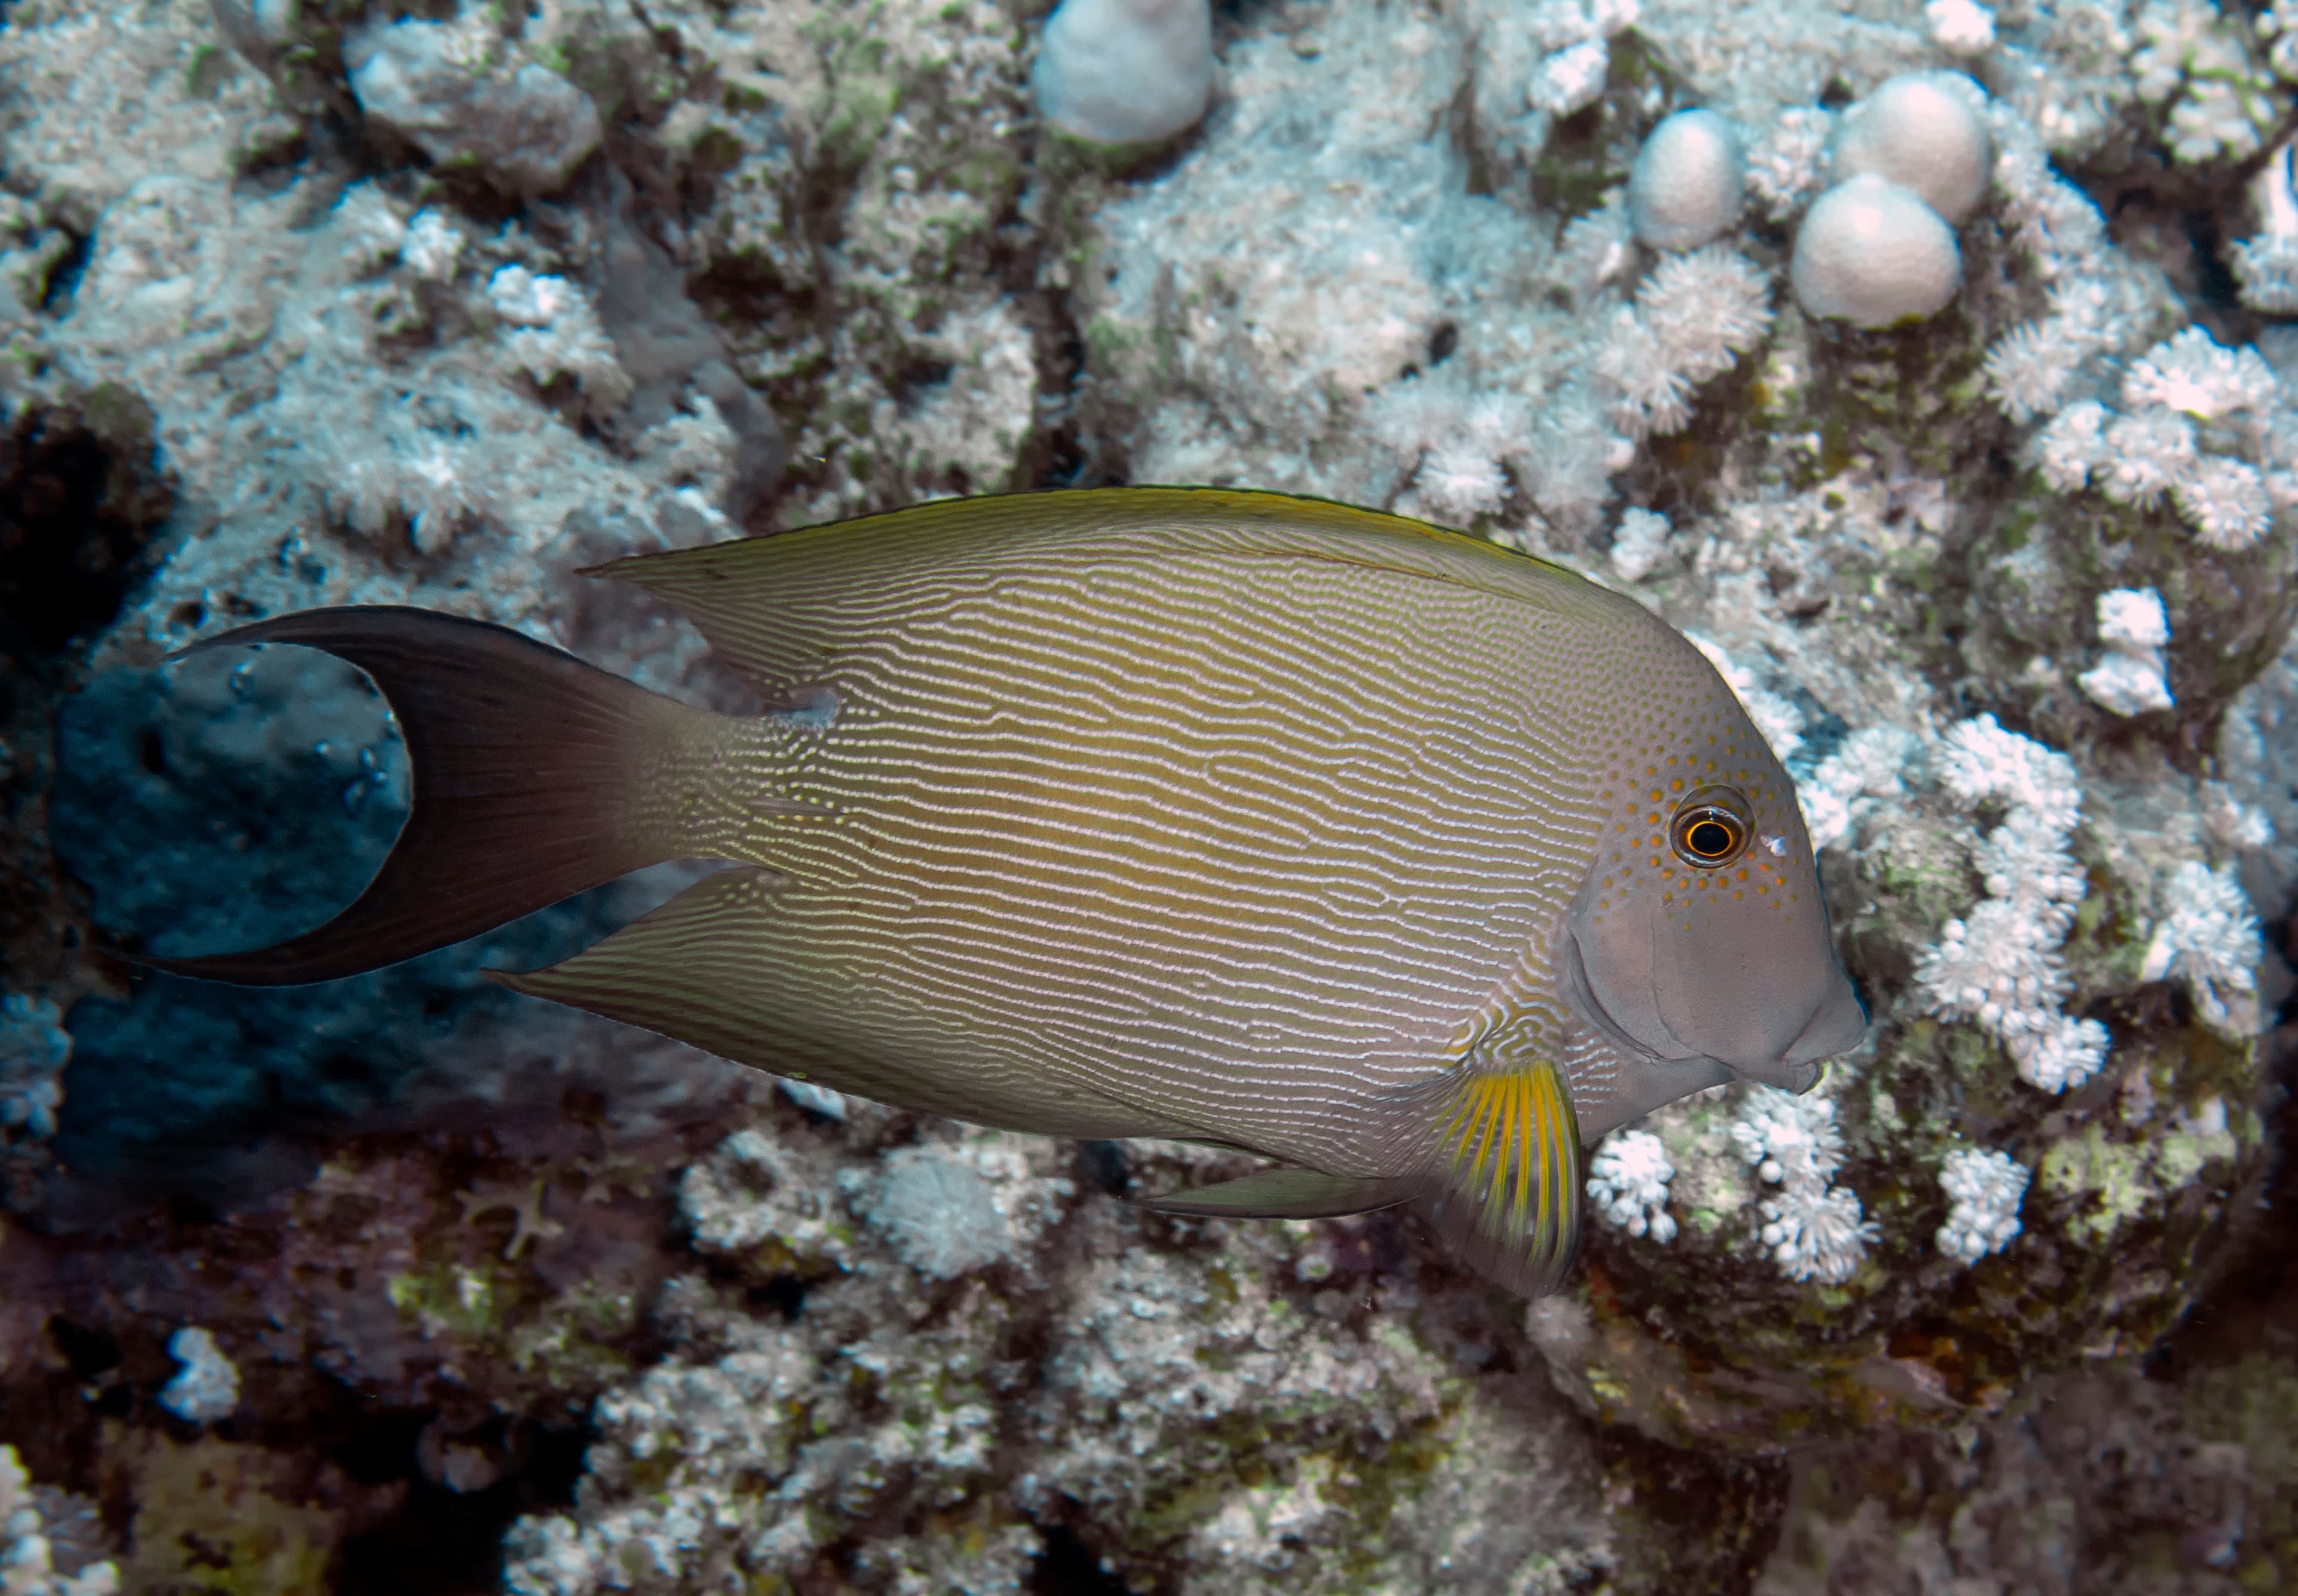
<point x="224" y="804"/>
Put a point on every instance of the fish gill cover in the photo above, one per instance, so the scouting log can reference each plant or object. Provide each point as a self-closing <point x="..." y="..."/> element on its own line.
<point x="305" y="304"/>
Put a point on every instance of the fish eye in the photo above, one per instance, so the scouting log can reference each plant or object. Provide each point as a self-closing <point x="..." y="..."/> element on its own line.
<point x="1711" y="828"/>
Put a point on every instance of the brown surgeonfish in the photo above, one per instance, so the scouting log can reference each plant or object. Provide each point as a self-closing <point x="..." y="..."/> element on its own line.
<point x="1401" y="860"/>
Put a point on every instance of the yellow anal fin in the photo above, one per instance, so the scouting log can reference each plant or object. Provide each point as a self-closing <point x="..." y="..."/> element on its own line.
<point x="1504" y="1186"/>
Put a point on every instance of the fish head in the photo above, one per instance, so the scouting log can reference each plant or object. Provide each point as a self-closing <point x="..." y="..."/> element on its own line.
<point x="1698" y="943"/>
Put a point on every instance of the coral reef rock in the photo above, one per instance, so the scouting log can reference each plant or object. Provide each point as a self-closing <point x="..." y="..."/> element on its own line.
<point x="303" y="305"/>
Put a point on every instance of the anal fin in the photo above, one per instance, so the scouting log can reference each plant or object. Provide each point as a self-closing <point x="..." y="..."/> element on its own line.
<point x="1504" y="1185"/>
<point x="1285" y="1193"/>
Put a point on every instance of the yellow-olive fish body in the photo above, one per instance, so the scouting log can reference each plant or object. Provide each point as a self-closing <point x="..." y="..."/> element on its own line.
<point x="1397" y="858"/>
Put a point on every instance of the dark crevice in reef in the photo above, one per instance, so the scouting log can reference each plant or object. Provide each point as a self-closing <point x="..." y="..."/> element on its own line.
<point x="80" y="503"/>
<point x="1069" y="1568"/>
<point x="82" y="506"/>
<point x="2250" y="1304"/>
<point x="444" y="1542"/>
<point x="1726" y="1512"/>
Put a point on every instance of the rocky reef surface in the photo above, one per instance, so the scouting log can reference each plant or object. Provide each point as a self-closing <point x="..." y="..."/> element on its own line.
<point x="408" y="1284"/>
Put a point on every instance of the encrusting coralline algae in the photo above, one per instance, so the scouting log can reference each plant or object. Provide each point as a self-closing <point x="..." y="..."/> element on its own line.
<point x="319" y="308"/>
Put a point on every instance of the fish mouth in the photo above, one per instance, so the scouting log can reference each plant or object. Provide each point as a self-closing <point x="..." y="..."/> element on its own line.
<point x="1837" y="1023"/>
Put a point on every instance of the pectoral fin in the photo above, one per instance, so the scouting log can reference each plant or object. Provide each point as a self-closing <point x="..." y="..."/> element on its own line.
<point x="1285" y="1193"/>
<point x="1505" y="1187"/>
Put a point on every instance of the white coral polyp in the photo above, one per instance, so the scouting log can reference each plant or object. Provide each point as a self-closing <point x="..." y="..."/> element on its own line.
<point x="2146" y="455"/>
<point x="2060" y="1054"/>
<point x="2124" y="684"/>
<point x="1627" y="1182"/>
<point x="2208" y="940"/>
<point x="1572" y="77"/>
<point x="1981" y="761"/>
<point x="2192" y="374"/>
<point x="2132" y="618"/>
<point x="2073" y="446"/>
<point x="2030" y="368"/>
<point x="1817" y="1233"/>
<point x="1811" y="1230"/>
<point x="2226" y="502"/>
<point x="1693" y="316"/>
<point x="1999" y="965"/>
<point x="1986" y="1189"/>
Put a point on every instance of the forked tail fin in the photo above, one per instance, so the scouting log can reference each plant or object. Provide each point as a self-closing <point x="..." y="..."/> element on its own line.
<point x="527" y="769"/>
<point x="1504" y="1183"/>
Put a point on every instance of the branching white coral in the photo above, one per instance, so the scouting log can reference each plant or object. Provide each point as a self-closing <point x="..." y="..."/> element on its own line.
<point x="2072" y="446"/>
<point x="1571" y="78"/>
<point x="1783" y="169"/>
<point x="2188" y="50"/>
<point x="2266" y="263"/>
<point x="1567" y="465"/>
<point x="2225" y="500"/>
<point x="1986" y="1189"/>
<point x="2146" y="453"/>
<point x="1817" y="1233"/>
<point x="206" y="1384"/>
<point x="1982" y="761"/>
<point x="1787" y="1138"/>
<point x="556" y="332"/>
<point x="2210" y="939"/>
<point x="2055" y="223"/>
<point x="33" y="1048"/>
<point x="1450" y="440"/>
<point x="433" y="247"/>
<point x="1572" y="74"/>
<point x="2154" y="448"/>
<point x="1627" y="1182"/>
<point x="2000" y="965"/>
<point x="2130" y="681"/>
<point x="1963" y="27"/>
<point x="1693" y="316"/>
<point x="1813" y="1230"/>
<point x="1843" y="788"/>
<point x="1599" y="247"/>
<point x="2030" y="368"/>
<point x="1638" y="543"/>
<point x="2192" y="373"/>
<point x="2232" y="821"/>
<point x="26" y="1552"/>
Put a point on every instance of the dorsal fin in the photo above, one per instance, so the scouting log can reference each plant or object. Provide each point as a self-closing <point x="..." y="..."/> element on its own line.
<point x="776" y="608"/>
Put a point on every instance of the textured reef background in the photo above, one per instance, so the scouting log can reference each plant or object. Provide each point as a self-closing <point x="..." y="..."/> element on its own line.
<point x="407" y="1285"/>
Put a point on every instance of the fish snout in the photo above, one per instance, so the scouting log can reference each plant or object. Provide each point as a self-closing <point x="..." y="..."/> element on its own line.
<point x="1836" y="1025"/>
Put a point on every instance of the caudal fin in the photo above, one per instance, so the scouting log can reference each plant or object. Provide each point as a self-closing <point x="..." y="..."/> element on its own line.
<point x="526" y="767"/>
<point x="1504" y="1184"/>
